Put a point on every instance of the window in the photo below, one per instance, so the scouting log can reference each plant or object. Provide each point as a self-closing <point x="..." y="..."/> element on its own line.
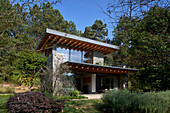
<point x="64" y="53"/>
<point x="87" y="57"/>
<point x="75" y="56"/>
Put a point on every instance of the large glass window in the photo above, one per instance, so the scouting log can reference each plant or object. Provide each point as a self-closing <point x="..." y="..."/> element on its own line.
<point x="63" y="53"/>
<point x="75" y="56"/>
<point x="87" y="57"/>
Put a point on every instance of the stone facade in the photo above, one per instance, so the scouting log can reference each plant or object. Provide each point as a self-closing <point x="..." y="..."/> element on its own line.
<point x="49" y="62"/>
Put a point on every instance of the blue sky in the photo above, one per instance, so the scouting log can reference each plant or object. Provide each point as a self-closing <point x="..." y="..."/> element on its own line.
<point x="84" y="12"/>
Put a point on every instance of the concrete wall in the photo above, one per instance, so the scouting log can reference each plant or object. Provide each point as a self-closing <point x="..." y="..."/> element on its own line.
<point x="98" y="58"/>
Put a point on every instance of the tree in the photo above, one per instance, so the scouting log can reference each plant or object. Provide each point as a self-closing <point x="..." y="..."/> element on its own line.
<point x="142" y="33"/>
<point x="48" y="17"/>
<point x="28" y="65"/>
<point x="97" y="31"/>
<point x="150" y="50"/>
<point x="144" y="45"/>
<point x="12" y="37"/>
<point x="122" y="33"/>
<point x="132" y="9"/>
<point x="21" y="27"/>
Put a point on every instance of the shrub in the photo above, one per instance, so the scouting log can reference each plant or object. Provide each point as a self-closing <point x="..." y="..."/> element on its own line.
<point x="35" y="90"/>
<point x="33" y="102"/>
<point x="74" y="93"/>
<point x="152" y="102"/>
<point x="117" y="101"/>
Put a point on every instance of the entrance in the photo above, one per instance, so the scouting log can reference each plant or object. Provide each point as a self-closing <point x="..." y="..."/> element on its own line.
<point x="105" y="83"/>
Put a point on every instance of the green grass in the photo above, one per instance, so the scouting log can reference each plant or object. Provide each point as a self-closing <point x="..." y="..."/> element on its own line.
<point x="70" y="97"/>
<point x="82" y="106"/>
<point x="3" y="99"/>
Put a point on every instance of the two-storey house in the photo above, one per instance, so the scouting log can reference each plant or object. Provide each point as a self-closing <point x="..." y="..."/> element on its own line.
<point x="85" y="57"/>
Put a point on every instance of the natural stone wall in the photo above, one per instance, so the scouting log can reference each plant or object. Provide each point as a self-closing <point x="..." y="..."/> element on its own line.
<point x="49" y="62"/>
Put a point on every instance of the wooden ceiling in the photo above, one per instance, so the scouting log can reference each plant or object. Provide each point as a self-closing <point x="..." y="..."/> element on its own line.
<point x="99" y="69"/>
<point x="50" y="40"/>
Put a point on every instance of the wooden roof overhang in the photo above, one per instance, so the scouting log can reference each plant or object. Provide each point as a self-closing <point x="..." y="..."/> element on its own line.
<point x="55" y="38"/>
<point x="92" y="68"/>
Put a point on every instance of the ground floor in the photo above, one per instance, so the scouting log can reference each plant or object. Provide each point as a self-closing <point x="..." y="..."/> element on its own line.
<point x="99" y="83"/>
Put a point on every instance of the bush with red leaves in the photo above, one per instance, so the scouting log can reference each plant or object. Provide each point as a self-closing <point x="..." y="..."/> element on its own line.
<point x="31" y="102"/>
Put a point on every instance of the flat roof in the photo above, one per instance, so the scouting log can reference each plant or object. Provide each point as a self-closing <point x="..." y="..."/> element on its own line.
<point x="53" y="37"/>
<point x="86" y="67"/>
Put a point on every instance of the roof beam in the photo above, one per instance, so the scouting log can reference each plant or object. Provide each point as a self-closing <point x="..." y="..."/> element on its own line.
<point x="48" y="38"/>
<point x="78" y="44"/>
<point x="65" y="40"/>
<point x="82" y="45"/>
<point x="54" y="39"/>
<point x="73" y="43"/>
<point x="59" y="41"/>
<point x="69" y="42"/>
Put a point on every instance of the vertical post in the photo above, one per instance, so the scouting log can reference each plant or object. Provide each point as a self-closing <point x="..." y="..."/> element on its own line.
<point x="81" y="56"/>
<point x="115" y="82"/>
<point x="69" y="55"/>
<point x="93" y="83"/>
<point x="110" y="84"/>
<point x="81" y="83"/>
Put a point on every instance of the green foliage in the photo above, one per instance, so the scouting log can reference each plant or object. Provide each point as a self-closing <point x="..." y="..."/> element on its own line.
<point x="117" y="101"/>
<point x="144" y="45"/>
<point x="48" y="17"/>
<point x="35" y="90"/>
<point x="152" y="102"/>
<point x="74" y="93"/>
<point x="1" y="80"/>
<point x="149" y="50"/>
<point x="28" y="64"/>
<point x="21" y="27"/>
<point x="97" y="31"/>
<point x="12" y="37"/>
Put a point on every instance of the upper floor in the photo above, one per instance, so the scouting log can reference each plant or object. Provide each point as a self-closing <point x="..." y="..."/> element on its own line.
<point x="91" y="57"/>
<point x="74" y="48"/>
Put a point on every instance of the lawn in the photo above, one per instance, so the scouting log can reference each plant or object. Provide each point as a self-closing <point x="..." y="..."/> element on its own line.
<point x="72" y="106"/>
<point x="3" y="99"/>
<point x="82" y="106"/>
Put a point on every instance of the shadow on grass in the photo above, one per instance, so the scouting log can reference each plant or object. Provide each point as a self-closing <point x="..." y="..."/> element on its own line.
<point x="82" y="106"/>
